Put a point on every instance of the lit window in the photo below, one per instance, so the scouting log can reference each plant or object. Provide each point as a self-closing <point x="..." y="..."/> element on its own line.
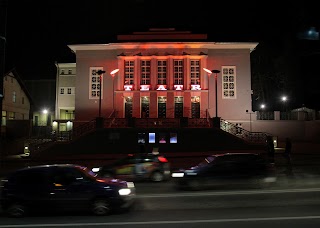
<point x="229" y="82"/>
<point x="195" y="72"/>
<point x="14" y="97"/>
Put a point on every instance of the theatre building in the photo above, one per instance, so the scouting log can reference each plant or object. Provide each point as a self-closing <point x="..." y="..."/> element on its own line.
<point x="162" y="79"/>
<point x="160" y="74"/>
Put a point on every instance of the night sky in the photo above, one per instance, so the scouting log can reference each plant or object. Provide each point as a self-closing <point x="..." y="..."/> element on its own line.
<point x="38" y="32"/>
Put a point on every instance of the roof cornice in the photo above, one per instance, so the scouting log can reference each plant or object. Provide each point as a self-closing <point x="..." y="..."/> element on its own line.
<point x="163" y="45"/>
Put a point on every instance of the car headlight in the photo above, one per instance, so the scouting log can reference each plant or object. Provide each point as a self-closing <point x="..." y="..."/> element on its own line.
<point x="95" y="170"/>
<point x="124" y="191"/>
<point x="177" y="175"/>
<point x="130" y="184"/>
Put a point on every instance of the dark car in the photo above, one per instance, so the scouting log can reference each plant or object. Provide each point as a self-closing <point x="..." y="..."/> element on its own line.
<point x="135" y="167"/>
<point x="226" y="169"/>
<point x="63" y="187"/>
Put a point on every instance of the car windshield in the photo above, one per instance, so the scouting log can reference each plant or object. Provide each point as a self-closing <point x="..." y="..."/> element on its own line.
<point x="206" y="161"/>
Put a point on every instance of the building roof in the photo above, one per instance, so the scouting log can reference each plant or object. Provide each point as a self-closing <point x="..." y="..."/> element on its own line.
<point x="21" y="83"/>
<point x="163" y="39"/>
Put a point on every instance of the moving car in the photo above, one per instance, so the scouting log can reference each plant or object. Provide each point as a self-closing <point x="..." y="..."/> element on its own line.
<point x="63" y="187"/>
<point x="135" y="167"/>
<point x="226" y="169"/>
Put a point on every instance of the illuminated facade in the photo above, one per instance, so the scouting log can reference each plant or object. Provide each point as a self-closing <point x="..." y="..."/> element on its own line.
<point x="161" y="76"/>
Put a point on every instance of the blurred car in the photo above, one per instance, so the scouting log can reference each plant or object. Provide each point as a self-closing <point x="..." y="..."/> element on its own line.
<point x="226" y="169"/>
<point x="135" y="167"/>
<point x="63" y="187"/>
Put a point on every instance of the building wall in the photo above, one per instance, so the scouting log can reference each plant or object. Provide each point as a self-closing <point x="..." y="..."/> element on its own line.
<point x="20" y="109"/>
<point x="233" y="109"/>
<point x="66" y="79"/>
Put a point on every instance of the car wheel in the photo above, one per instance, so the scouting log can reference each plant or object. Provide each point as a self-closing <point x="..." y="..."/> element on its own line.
<point x="16" y="210"/>
<point x="101" y="207"/>
<point x="157" y="176"/>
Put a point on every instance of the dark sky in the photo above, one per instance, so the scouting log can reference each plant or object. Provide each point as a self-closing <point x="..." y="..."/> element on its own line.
<point x="38" y="32"/>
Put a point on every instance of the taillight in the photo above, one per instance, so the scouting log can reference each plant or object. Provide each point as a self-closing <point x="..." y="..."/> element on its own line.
<point x="162" y="159"/>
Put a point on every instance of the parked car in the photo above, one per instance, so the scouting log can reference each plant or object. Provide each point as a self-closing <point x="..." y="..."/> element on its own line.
<point x="63" y="187"/>
<point x="135" y="167"/>
<point x="226" y="169"/>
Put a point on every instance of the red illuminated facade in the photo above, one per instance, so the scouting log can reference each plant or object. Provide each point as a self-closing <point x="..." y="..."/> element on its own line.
<point x="161" y="76"/>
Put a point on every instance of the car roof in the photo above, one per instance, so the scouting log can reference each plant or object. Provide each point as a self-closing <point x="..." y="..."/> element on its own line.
<point x="234" y="153"/>
<point x="47" y="166"/>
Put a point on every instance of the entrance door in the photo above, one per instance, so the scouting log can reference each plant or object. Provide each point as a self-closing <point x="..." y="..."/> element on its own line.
<point x="128" y="107"/>
<point x="195" y="107"/>
<point x="178" y="107"/>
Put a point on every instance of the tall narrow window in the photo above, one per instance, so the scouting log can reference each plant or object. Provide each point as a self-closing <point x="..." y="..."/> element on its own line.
<point x="61" y="90"/>
<point x="195" y="72"/>
<point x="229" y="82"/>
<point x="145" y="72"/>
<point x="14" y="97"/>
<point x="162" y="72"/>
<point x="69" y="90"/>
<point x="178" y="72"/>
<point x="94" y="82"/>
<point x="129" y="73"/>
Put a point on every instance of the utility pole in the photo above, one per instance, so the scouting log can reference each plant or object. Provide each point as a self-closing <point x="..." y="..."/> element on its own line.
<point x="3" y="27"/>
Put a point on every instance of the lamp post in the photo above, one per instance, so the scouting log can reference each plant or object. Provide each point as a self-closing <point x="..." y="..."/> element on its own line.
<point x="247" y="111"/>
<point x="216" y="85"/>
<point x="100" y="72"/>
<point x="112" y="73"/>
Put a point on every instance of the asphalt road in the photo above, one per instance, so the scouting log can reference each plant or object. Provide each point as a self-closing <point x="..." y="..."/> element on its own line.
<point x="283" y="207"/>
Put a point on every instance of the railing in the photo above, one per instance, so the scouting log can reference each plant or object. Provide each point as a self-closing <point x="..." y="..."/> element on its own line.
<point x="254" y="137"/>
<point x="156" y="123"/>
<point x="84" y="129"/>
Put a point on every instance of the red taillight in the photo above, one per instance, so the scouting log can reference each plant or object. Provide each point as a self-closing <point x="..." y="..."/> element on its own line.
<point x="162" y="159"/>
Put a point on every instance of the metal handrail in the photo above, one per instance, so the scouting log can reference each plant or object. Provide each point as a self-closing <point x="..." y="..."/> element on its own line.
<point x="253" y="137"/>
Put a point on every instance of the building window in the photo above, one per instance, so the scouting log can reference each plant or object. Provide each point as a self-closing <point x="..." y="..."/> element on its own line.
<point x="22" y="101"/>
<point x="195" y="72"/>
<point x="14" y="97"/>
<point x="61" y="90"/>
<point x="129" y="73"/>
<point x="95" y="83"/>
<point x="162" y="72"/>
<point x="4" y="118"/>
<point x="69" y="71"/>
<point x="229" y="82"/>
<point x="145" y="72"/>
<point x="62" y="72"/>
<point x="69" y="90"/>
<point x="178" y="72"/>
<point x="12" y="115"/>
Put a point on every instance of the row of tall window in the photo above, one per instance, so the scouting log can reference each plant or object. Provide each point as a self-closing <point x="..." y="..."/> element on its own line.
<point x="162" y="72"/>
<point x="228" y="77"/>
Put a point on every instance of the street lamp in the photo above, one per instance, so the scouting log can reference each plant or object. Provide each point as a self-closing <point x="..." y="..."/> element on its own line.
<point x="112" y="73"/>
<point x="284" y="100"/>
<point x="216" y="85"/>
<point x="100" y="72"/>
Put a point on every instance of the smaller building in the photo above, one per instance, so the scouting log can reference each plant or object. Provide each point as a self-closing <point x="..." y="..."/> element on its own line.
<point x="17" y="102"/>
<point x="65" y="97"/>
